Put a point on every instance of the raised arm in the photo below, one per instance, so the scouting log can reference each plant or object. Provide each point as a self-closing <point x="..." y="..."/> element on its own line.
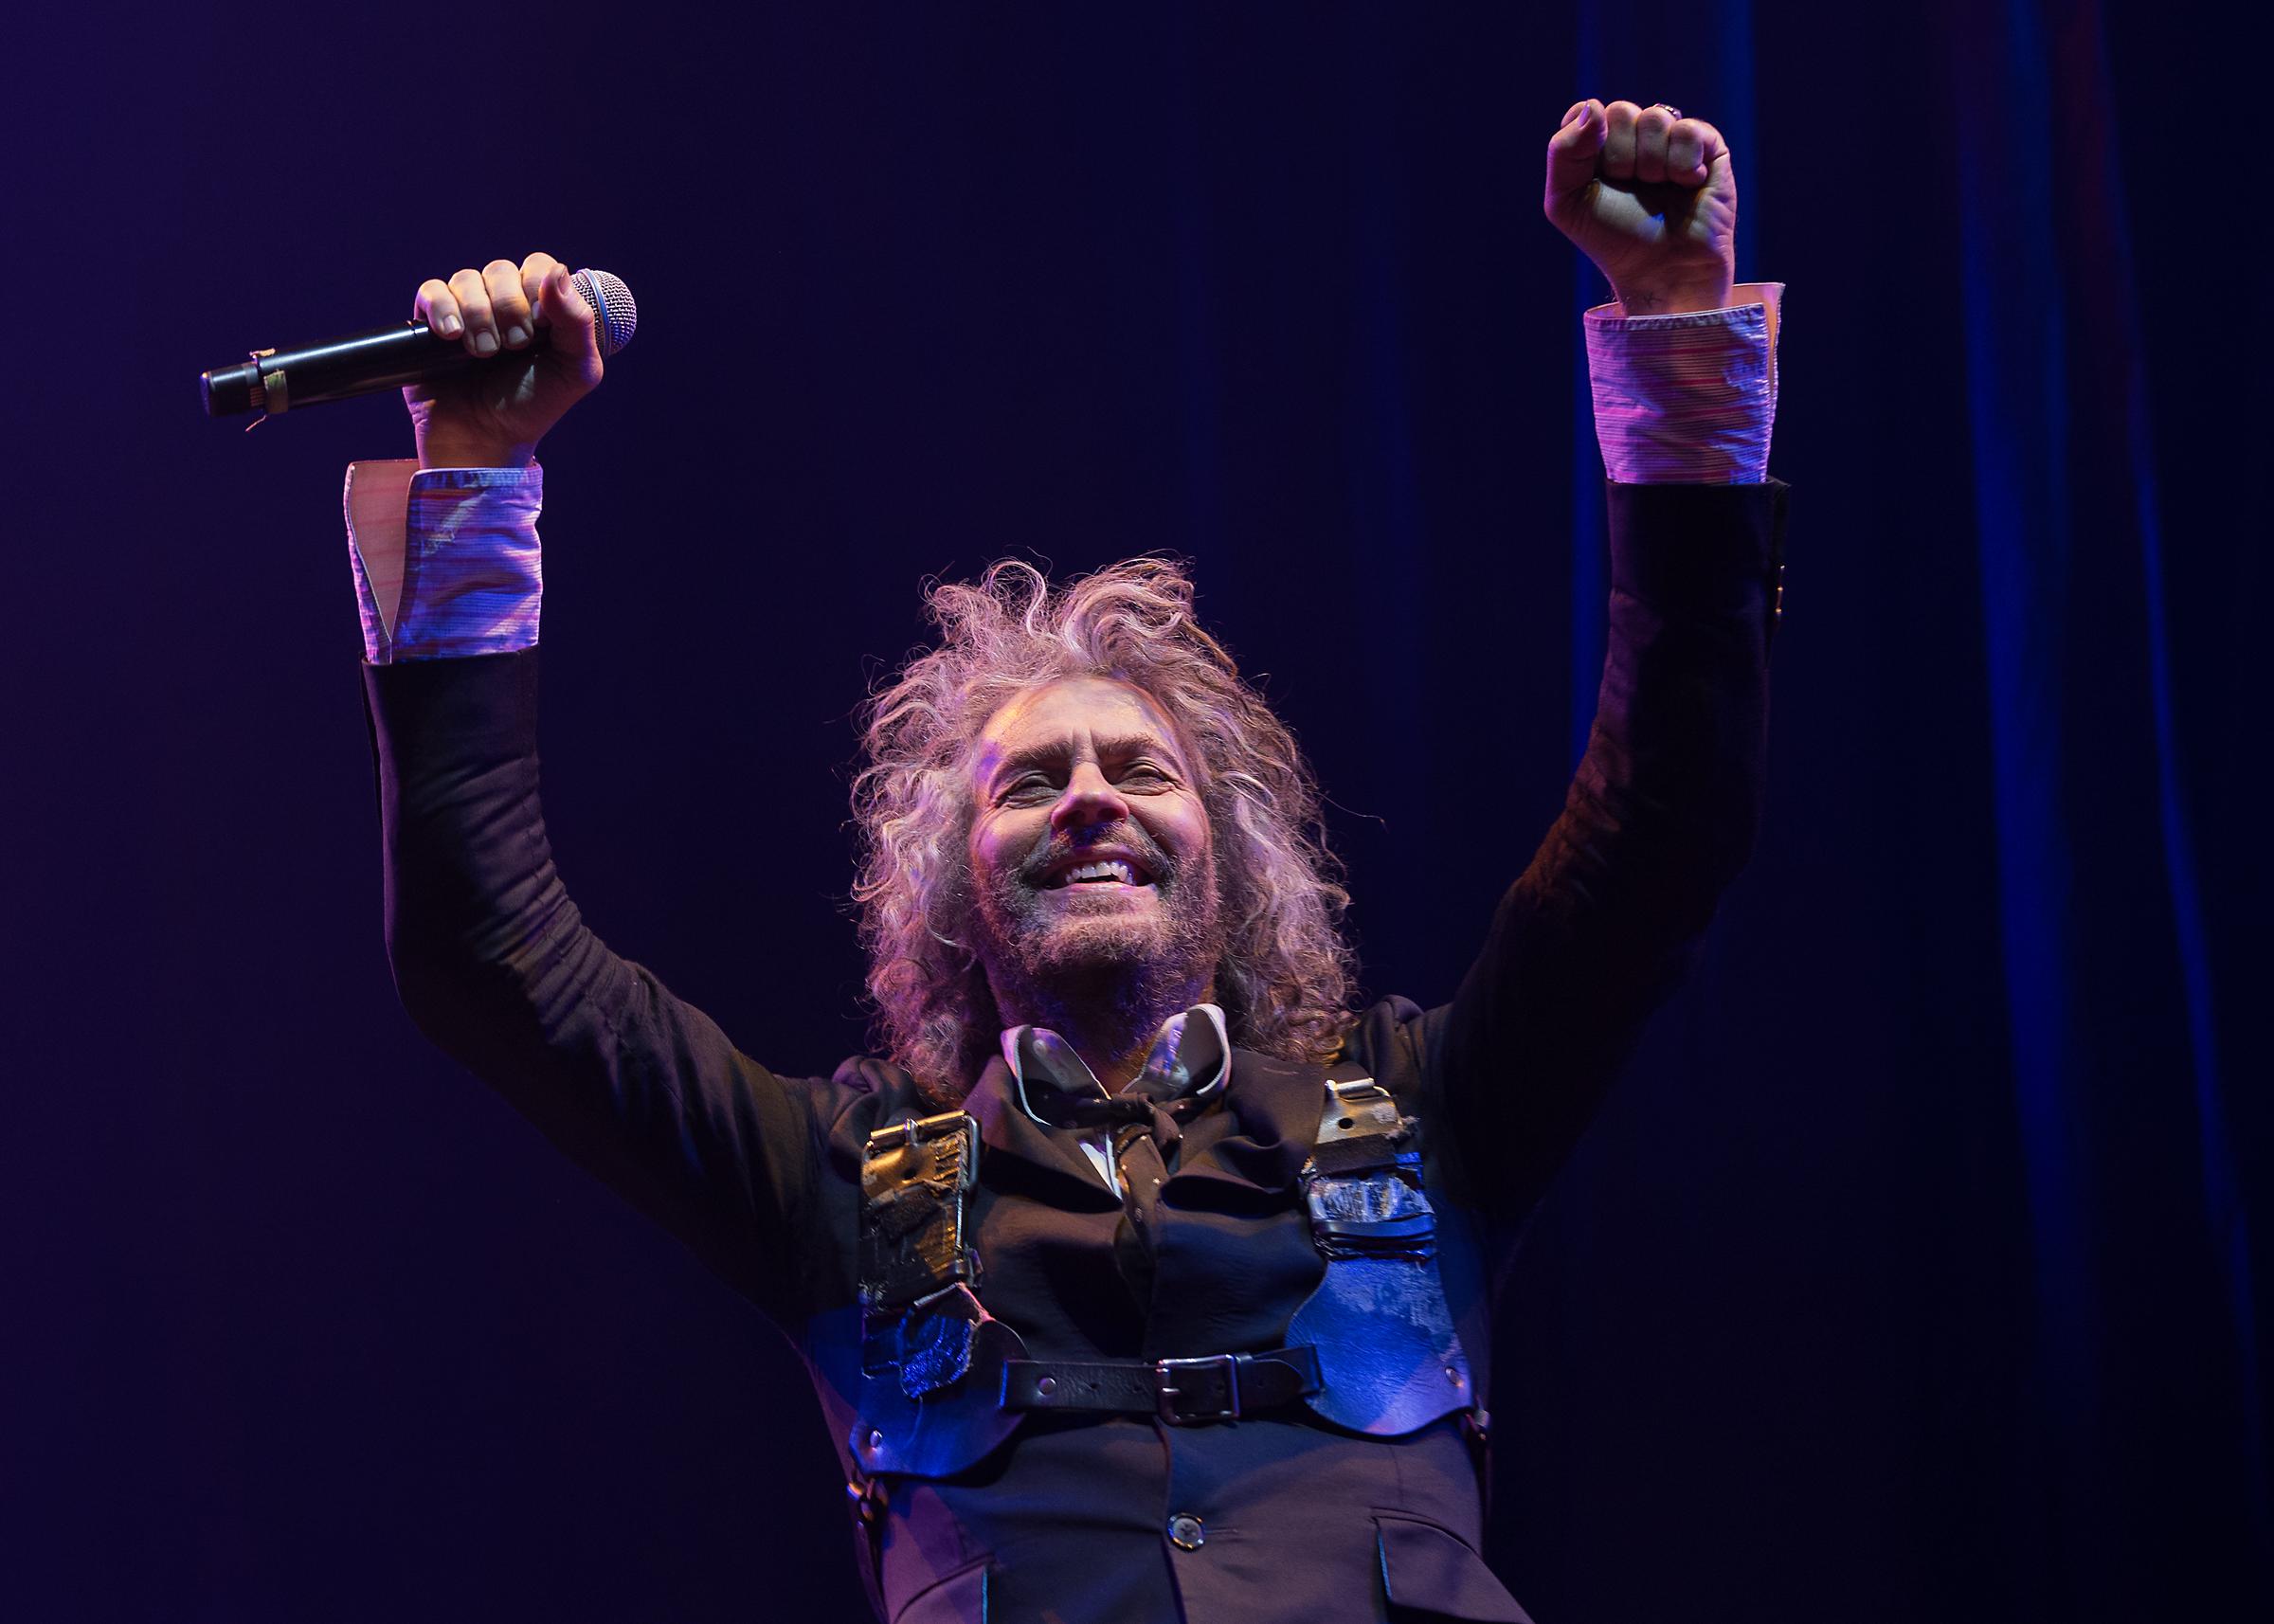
<point x="491" y="956"/>
<point x="1662" y="811"/>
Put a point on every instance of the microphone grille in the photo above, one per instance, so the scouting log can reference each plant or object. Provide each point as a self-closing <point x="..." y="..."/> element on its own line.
<point x="615" y="316"/>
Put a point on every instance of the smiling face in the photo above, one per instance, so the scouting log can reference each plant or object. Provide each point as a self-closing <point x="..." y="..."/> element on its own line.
<point x="1092" y="864"/>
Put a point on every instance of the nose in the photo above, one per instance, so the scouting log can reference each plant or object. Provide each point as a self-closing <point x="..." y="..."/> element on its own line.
<point x="1088" y="801"/>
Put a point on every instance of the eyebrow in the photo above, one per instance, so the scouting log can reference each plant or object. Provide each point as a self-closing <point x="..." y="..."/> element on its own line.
<point x="1117" y="749"/>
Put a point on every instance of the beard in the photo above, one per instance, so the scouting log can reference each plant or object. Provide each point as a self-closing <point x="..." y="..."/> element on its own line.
<point x="1047" y="947"/>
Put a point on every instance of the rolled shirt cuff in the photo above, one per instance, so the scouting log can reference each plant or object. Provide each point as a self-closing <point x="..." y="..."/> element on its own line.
<point x="446" y="560"/>
<point x="1686" y="399"/>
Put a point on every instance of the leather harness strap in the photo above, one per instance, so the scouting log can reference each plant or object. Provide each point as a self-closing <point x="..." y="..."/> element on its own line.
<point x="1373" y="1349"/>
<point x="916" y="1179"/>
<point x="1183" y="1392"/>
<point x="1379" y="1310"/>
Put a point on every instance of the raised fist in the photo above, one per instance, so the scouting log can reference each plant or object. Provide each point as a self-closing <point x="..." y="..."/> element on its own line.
<point x="532" y="317"/>
<point x="1650" y="197"/>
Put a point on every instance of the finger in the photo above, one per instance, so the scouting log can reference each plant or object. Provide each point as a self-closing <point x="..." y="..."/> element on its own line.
<point x="1651" y="127"/>
<point x="508" y="301"/>
<point x="1691" y="147"/>
<point x="570" y="319"/>
<point x="1572" y="151"/>
<point x="437" y="308"/>
<point x="534" y="272"/>
<point x="472" y="296"/>
<point x="1619" y="140"/>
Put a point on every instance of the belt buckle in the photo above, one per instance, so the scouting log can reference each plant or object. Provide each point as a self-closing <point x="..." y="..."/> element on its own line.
<point x="1166" y="1371"/>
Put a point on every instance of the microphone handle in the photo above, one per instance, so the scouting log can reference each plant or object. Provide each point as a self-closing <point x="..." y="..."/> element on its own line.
<point x="361" y="364"/>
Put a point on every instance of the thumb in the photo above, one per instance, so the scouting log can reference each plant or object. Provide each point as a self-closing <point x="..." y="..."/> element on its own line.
<point x="570" y="319"/>
<point x="1572" y="152"/>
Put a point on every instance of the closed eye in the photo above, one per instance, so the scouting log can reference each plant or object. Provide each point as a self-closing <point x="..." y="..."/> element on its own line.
<point x="1032" y="787"/>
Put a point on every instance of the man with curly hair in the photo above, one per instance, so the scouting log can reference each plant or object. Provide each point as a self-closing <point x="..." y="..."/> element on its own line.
<point x="1035" y="745"/>
<point x="1141" y="1275"/>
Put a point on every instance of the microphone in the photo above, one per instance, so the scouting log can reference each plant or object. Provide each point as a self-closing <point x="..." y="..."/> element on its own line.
<point x="386" y="358"/>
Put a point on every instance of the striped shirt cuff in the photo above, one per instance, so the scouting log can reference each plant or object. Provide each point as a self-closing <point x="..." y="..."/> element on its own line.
<point x="446" y="561"/>
<point x="1688" y="399"/>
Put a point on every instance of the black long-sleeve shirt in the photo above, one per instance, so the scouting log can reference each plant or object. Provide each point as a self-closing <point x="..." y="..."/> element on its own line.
<point x="759" y="1173"/>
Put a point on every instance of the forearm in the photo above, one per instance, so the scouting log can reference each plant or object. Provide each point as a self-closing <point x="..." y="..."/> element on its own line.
<point x="490" y="955"/>
<point x="1675" y="757"/>
<point x="1659" y="819"/>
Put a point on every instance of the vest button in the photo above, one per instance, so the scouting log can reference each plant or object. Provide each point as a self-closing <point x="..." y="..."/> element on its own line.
<point x="1186" y="1532"/>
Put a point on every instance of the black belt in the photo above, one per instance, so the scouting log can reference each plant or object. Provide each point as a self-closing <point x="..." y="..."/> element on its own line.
<point x="1218" y="1387"/>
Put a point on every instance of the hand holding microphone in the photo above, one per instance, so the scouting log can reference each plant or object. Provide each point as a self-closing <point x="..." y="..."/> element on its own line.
<point x="490" y="361"/>
<point x="535" y="316"/>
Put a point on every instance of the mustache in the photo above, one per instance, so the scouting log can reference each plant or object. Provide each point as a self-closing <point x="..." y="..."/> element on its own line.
<point x="1052" y="848"/>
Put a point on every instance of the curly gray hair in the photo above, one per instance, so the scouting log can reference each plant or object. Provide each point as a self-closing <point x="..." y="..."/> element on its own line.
<point x="1285" y="978"/>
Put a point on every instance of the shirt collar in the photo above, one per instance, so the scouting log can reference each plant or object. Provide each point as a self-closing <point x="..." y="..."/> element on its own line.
<point x="1190" y="1062"/>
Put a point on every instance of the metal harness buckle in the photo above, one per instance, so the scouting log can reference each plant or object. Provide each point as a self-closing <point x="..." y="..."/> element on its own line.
<point x="1179" y="1414"/>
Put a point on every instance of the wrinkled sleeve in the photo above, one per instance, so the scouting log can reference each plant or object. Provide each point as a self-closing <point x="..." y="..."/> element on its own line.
<point x="1689" y="398"/>
<point x="446" y="561"/>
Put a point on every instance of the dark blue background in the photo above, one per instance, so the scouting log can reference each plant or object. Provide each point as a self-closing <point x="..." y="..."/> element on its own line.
<point x="1910" y="1272"/>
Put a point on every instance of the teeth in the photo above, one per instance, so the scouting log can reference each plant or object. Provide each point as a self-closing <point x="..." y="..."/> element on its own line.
<point x="1116" y="870"/>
